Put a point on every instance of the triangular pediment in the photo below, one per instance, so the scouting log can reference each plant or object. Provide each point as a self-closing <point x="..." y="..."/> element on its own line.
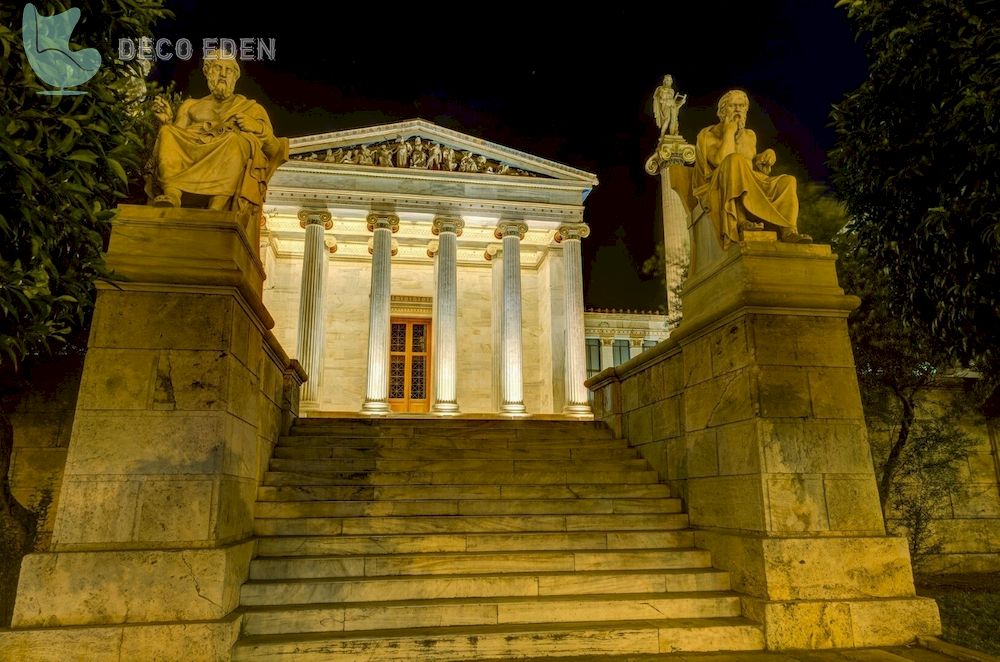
<point x="419" y="144"/>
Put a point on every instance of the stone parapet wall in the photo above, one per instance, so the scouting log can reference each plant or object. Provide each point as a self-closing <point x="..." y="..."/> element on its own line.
<point x="751" y="412"/>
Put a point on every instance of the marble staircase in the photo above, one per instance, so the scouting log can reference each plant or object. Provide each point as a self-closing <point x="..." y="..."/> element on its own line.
<point x="432" y="540"/>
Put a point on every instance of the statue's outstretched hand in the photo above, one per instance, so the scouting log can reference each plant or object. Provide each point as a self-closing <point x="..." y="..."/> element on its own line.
<point x="162" y="110"/>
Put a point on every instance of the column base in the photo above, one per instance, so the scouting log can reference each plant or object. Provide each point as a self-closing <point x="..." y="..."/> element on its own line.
<point x="445" y="409"/>
<point x="578" y="410"/>
<point x="513" y="409"/>
<point x="375" y="407"/>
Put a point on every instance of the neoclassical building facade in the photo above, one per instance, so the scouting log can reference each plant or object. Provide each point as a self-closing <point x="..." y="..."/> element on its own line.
<point x="416" y="269"/>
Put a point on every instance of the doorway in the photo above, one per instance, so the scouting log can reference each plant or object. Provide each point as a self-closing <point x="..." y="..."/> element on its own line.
<point x="409" y="365"/>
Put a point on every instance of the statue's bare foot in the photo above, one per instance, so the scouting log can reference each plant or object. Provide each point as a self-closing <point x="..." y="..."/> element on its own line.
<point x="165" y="201"/>
<point x="218" y="202"/>
<point x="750" y="225"/>
<point x="796" y="238"/>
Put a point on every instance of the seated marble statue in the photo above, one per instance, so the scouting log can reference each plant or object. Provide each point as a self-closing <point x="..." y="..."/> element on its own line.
<point x="221" y="146"/>
<point x="733" y="182"/>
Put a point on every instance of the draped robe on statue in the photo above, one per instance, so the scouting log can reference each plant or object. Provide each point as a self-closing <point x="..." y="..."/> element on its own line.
<point x="733" y="192"/>
<point x="210" y="155"/>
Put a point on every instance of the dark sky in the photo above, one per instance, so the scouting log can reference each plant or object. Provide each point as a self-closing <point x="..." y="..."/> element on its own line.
<point x="574" y="87"/>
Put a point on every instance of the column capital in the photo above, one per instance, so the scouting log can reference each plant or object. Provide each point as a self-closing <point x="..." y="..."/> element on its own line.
<point x="433" y="246"/>
<point x="331" y="244"/>
<point x="493" y="251"/>
<point x="607" y="340"/>
<point x="371" y="247"/>
<point x="510" y="229"/>
<point x="635" y="341"/>
<point x="380" y="220"/>
<point x="572" y="231"/>
<point x="447" y="224"/>
<point x="315" y="217"/>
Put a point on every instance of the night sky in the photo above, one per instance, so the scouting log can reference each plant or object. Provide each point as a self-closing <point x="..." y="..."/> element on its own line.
<point x="574" y="88"/>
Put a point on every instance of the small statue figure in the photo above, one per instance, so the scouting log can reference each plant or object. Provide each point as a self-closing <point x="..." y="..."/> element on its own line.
<point x="468" y="163"/>
<point x="402" y="153"/>
<point x="448" y="159"/>
<point x="348" y="156"/>
<point x="732" y="181"/>
<point x="418" y="157"/>
<point x="384" y="155"/>
<point x="434" y="157"/>
<point x="666" y="107"/>
<point x="365" y="156"/>
<point x="221" y="146"/>
<point x="328" y="157"/>
<point x="504" y="169"/>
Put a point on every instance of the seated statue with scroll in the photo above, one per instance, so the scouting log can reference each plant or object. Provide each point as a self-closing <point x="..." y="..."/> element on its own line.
<point x="221" y="146"/>
<point x="733" y="182"/>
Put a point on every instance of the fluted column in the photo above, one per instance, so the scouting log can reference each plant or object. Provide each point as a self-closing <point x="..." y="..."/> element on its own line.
<point x="377" y="392"/>
<point x="494" y="255"/>
<point x="569" y="236"/>
<point x="311" y="297"/>
<point x="512" y="384"/>
<point x="445" y="370"/>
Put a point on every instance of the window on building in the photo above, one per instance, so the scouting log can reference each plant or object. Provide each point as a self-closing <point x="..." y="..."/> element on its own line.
<point x="648" y="344"/>
<point x="593" y="357"/>
<point x="620" y="351"/>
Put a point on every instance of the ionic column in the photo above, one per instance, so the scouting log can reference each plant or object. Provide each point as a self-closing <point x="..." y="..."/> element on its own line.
<point x="569" y="236"/>
<point x="445" y="370"/>
<point x="607" y="352"/>
<point x="494" y="255"/>
<point x="311" y="297"/>
<point x="511" y="379"/>
<point x="377" y="393"/>
<point x="634" y="347"/>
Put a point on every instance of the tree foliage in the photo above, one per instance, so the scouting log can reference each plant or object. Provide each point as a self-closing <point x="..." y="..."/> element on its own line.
<point x="917" y="163"/>
<point x="65" y="162"/>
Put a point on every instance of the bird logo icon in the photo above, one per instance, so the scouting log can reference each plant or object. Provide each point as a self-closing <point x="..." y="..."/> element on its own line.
<point x="46" y="43"/>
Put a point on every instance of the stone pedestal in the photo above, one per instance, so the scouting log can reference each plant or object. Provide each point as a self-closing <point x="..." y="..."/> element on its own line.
<point x="751" y="411"/>
<point x="180" y="403"/>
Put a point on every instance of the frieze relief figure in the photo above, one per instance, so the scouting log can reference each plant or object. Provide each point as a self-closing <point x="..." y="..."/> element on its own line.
<point x="732" y="180"/>
<point x="221" y="146"/>
<point x="414" y="153"/>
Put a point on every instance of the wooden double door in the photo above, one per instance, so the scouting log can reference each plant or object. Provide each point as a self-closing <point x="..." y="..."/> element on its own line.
<point x="410" y="365"/>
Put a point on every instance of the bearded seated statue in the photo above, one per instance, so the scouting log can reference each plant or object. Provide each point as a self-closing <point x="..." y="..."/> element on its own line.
<point x="221" y="147"/>
<point x="732" y="182"/>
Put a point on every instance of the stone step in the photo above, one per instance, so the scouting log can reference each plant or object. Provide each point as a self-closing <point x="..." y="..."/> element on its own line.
<point x="434" y="443"/>
<point x="482" y="563"/>
<point x="454" y="433"/>
<point x="471" y="542"/>
<point x="445" y="427"/>
<point x="301" y="452"/>
<point x="454" y="492"/>
<point x="456" y="477"/>
<point x="380" y="508"/>
<point x="339" y="465"/>
<point x="432" y="587"/>
<point x="509" y="641"/>
<point x="495" y="611"/>
<point x="326" y="526"/>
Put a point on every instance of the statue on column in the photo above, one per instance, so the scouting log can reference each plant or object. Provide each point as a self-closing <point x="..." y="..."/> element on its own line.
<point x="732" y="181"/>
<point x="666" y="107"/>
<point x="221" y="146"/>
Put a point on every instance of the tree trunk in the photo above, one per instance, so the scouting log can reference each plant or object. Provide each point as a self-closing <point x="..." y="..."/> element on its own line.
<point x="17" y="526"/>
<point x="891" y="462"/>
